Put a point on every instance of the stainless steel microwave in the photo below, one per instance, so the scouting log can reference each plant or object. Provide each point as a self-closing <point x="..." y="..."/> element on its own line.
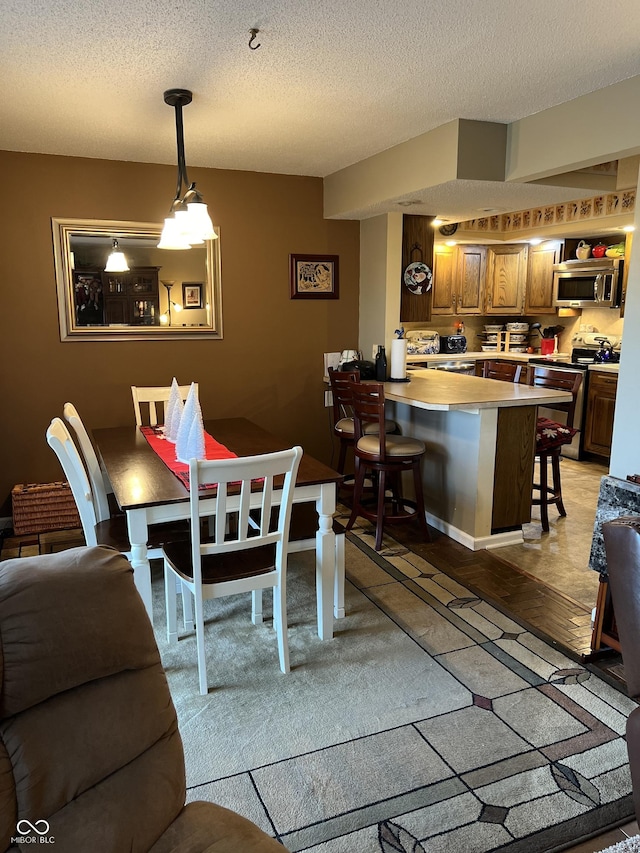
<point x="595" y="282"/>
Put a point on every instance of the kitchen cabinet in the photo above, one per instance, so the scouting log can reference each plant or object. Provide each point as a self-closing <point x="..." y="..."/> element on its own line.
<point x="131" y="298"/>
<point x="458" y="280"/>
<point x="506" y="278"/>
<point x="539" y="284"/>
<point x="601" y="401"/>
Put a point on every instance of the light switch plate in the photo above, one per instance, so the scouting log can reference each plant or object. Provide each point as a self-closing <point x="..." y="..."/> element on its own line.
<point x="331" y="359"/>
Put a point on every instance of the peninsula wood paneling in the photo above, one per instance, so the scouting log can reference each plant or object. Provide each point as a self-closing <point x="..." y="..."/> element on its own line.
<point x="513" y="478"/>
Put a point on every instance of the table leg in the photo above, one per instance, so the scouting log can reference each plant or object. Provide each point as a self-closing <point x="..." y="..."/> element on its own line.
<point x="325" y="559"/>
<point x="138" y="536"/>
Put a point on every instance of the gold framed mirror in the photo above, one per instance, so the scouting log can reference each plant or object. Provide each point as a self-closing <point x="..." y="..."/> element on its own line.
<point x="163" y="294"/>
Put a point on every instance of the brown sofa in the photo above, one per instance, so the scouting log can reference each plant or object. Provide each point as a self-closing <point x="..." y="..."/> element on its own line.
<point x="622" y="545"/>
<point x="90" y="752"/>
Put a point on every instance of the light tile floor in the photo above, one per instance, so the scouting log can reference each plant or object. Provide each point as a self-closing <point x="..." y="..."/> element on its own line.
<point x="560" y="557"/>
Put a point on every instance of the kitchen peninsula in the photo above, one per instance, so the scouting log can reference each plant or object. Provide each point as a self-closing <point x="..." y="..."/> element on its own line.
<point x="480" y="439"/>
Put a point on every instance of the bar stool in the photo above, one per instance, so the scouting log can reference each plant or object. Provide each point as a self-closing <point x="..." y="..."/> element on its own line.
<point x="343" y="425"/>
<point x="386" y="457"/>
<point x="551" y="436"/>
<point x="507" y="371"/>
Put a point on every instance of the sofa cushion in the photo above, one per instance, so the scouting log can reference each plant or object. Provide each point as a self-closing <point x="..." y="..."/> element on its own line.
<point x="209" y="828"/>
<point x="88" y="733"/>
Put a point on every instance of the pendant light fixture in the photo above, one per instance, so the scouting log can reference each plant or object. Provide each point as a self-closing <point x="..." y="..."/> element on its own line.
<point x="189" y="223"/>
<point x="116" y="262"/>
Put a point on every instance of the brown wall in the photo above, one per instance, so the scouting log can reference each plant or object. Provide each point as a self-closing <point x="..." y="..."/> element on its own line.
<point x="269" y="365"/>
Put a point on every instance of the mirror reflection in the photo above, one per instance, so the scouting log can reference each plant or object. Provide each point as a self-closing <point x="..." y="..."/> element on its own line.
<point x="115" y="284"/>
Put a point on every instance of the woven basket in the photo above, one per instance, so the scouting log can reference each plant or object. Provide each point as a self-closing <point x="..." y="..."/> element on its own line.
<point x="40" y="507"/>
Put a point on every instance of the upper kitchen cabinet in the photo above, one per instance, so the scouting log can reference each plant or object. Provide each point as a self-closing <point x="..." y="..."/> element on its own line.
<point x="539" y="287"/>
<point x="506" y="279"/>
<point x="458" y="280"/>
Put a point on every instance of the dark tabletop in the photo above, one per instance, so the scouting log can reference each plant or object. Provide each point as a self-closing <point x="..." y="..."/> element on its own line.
<point x="140" y="478"/>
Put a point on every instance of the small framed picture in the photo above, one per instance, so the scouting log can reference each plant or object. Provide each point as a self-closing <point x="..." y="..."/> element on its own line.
<point x="313" y="276"/>
<point x="192" y="294"/>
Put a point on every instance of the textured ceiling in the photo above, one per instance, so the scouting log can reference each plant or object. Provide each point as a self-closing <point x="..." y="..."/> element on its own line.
<point x="332" y="83"/>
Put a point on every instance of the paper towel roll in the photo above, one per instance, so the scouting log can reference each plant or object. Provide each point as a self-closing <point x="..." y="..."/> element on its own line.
<point x="399" y="358"/>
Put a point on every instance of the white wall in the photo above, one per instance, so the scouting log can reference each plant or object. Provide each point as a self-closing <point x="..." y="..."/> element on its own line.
<point x="380" y="270"/>
<point x="625" y="451"/>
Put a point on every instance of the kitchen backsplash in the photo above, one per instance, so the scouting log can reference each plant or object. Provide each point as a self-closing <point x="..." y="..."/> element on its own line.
<point x="605" y="320"/>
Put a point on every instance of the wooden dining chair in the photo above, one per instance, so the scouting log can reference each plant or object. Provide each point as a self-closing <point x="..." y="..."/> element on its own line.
<point x="239" y="558"/>
<point x="156" y="397"/>
<point x="342" y="402"/>
<point x="386" y="456"/>
<point x="551" y="436"/>
<point x="507" y="371"/>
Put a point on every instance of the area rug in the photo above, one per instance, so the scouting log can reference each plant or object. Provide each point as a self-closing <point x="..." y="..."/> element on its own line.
<point x="431" y="722"/>
<point x="629" y="845"/>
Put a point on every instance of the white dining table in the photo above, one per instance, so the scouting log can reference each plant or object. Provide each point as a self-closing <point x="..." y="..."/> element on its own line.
<point x="150" y="493"/>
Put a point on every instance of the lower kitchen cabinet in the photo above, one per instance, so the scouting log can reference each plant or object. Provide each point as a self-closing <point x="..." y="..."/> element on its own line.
<point x="601" y="402"/>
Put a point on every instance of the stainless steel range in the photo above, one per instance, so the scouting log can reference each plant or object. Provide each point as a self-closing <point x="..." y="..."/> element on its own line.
<point x="588" y="348"/>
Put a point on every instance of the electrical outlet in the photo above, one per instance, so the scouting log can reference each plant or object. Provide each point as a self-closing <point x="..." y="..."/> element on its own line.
<point x="328" y="398"/>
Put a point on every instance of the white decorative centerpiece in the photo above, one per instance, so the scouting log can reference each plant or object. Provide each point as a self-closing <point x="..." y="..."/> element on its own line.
<point x="173" y="412"/>
<point x="190" y="438"/>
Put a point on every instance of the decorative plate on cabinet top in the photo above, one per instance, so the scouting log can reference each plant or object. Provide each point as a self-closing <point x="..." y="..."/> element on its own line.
<point x="417" y="278"/>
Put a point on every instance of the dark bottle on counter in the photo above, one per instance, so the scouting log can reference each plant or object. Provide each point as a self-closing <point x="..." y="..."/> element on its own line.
<point x="381" y="365"/>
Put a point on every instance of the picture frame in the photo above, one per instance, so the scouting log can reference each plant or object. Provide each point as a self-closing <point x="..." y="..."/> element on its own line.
<point x="314" y="276"/>
<point x="192" y="294"/>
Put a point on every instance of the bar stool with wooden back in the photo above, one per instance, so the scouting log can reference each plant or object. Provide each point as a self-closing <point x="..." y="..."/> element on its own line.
<point x="343" y="424"/>
<point x="386" y="456"/>
<point x="551" y="436"/>
<point x="507" y="371"/>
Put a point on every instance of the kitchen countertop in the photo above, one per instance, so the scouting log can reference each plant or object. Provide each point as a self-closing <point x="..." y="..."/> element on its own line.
<point x="437" y="390"/>
<point x="605" y="368"/>
<point x="476" y="356"/>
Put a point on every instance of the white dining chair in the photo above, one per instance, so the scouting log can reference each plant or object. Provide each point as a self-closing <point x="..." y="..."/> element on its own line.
<point x="157" y="398"/>
<point x="302" y="537"/>
<point x="240" y="558"/>
<point x="100" y="487"/>
<point x="60" y="441"/>
<point x="111" y="530"/>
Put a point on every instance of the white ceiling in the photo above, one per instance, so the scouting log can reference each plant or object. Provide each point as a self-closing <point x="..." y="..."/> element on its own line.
<point x="333" y="81"/>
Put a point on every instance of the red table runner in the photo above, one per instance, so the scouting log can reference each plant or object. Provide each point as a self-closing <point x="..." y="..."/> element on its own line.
<point x="166" y="450"/>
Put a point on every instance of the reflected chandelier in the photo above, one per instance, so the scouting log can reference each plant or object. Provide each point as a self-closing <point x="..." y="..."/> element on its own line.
<point x="189" y="223"/>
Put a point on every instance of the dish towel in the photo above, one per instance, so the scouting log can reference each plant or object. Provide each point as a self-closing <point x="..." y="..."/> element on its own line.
<point x="190" y="438"/>
<point x="173" y="412"/>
